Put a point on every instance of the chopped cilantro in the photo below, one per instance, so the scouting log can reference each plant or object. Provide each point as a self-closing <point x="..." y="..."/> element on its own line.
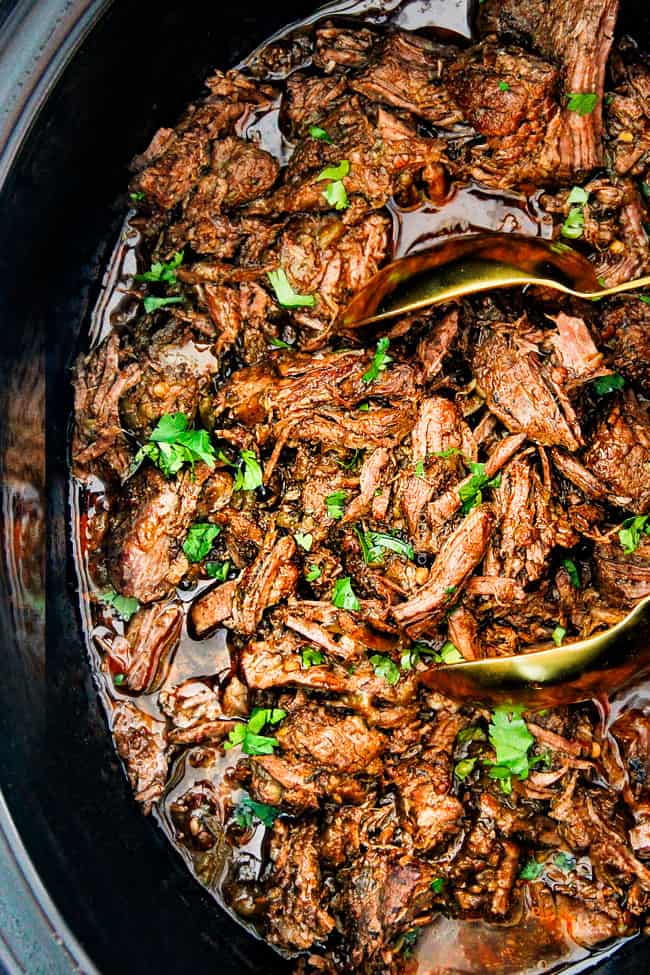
<point x="278" y="343"/>
<point x="336" y="195"/>
<point x="645" y="189"/>
<point x="504" y="86"/>
<point x="218" y="570"/>
<point x="574" y="224"/>
<point x="565" y="862"/>
<point x="153" y="304"/>
<point x="119" y="679"/>
<point x="558" y="635"/>
<point x="470" y="734"/>
<point x="124" y="606"/>
<point x="471" y="493"/>
<point x="343" y="595"/>
<point x="630" y="532"/>
<point x="137" y="197"/>
<point x="574" y="575"/>
<point x="385" y="667"/>
<point x="450" y="590"/>
<point x="380" y="361"/>
<point x="316" y="132"/>
<point x="335" y="504"/>
<point x="199" y="541"/>
<point x="464" y="768"/>
<point x="437" y="884"/>
<point x="248" y="735"/>
<point x="335" y="172"/>
<point x="172" y="444"/>
<point x="512" y="741"/>
<point x="532" y="870"/>
<point x="448" y="654"/>
<point x="582" y="102"/>
<point x="311" y="657"/>
<point x="284" y="292"/>
<point x="247" y="811"/>
<point x="644" y="298"/>
<point x="373" y="543"/>
<point x="604" y="385"/>
<point x="305" y="540"/>
<point x="313" y="573"/>
<point x="445" y="454"/>
<point x="364" y="407"/>
<point x="354" y="461"/>
<point x="163" y="271"/>
<point x="249" y="473"/>
<point x="578" y="195"/>
<point x="419" y="469"/>
<point x="412" y="655"/>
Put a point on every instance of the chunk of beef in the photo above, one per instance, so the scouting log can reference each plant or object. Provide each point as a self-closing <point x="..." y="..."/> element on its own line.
<point x="175" y="372"/>
<point x="176" y="159"/>
<point x="195" y="712"/>
<point x="211" y="608"/>
<point x="278" y="663"/>
<point x="342" y="47"/>
<point x="578" y="35"/>
<point x="627" y="114"/>
<point x="383" y="892"/>
<point x="521" y="547"/>
<point x="145" y="556"/>
<point x="459" y="555"/>
<point x="618" y="452"/>
<point x="381" y="426"/>
<point x="296" y="898"/>
<point x="436" y="343"/>
<point x="374" y="473"/>
<point x="510" y="375"/>
<point x="623" y="579"/>
<point x="625" y="330"/>
<point x="140" y="743"/>
<point x="405" y="71"/>
<point x="270" y="578"/>
<point x="576" y="349"/>
<point x="145" y="653"/>
<point x="98" y="441"/>
<point x="344" y="744"/>
<point x="307" y="98"/>
<point x="297" y="785"/>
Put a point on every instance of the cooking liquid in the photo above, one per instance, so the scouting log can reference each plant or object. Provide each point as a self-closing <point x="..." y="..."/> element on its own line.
<point x="529" y="944"/>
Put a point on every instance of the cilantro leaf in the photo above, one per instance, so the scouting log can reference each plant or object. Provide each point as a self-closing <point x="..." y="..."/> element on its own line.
<point x="512" y="741"/>
<point x="153" y="304"/>
<point x="343" y="595"/>
<point x="248" y="736"/>
<point x="119" y="679"/>
<point x="504" y="86"/>
<point x="373" y="543"/>
<point x="380" y="361"/>
<point x="574" y="224"/>
<point x="532" y="870"/>
<point x="278" y="343"/>
<point x="249" y="473"/>
<point x="163" y="271"/>
<point x="137" y="197"/>
<point x="385" y="667"/>
<point x="199" y="541"/>
<point x="285" y="294"/>
<point x="304" y="540"/>
<point x="564" y="861"/>
<point x="445" y="454"/>
<point x="578" y="194"/>
<point x="644" y="298"/>
<point x="218" y="570"/>
<point x="335" y="504"/>
<point x="437" y="884"/>
<point x="470" y="734"/>
<point x="582" y="102"/>
<point x="419" y="469"/>
<point x="412" y="655"/>
<point x="464" y="768"/>
<point x="124" y="606"/>
<point x="316" y="132"/>
<point x="558" y="635"/>
<point x="471" y="493"/>
<point x="574" y="575"/>
<point x="629" y="534"/>
<point x="336" y="195"/>
<point x="448" y="654"/>
<point x="247" y="811"/>
<point x="604" y="385"/>
<point x="172" y="444"/>
<point x="313" y="573"/>
<point x="335" y="172"/>
<point x="311" y="657"/>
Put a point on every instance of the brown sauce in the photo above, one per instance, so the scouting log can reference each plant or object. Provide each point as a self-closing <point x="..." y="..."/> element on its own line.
<point x="528" y="944"/>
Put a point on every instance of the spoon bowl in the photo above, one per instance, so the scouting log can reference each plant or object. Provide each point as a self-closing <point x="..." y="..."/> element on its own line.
<point x="603" y="664"/>
<point x="466" y="265"/>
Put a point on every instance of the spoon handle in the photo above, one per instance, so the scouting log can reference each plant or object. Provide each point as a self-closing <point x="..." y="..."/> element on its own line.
<point x="617" y="289"/>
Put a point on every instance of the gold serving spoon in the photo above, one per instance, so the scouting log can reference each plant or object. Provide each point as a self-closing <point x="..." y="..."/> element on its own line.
<point x="603" y="664"/>
<point x="469" y="264"/>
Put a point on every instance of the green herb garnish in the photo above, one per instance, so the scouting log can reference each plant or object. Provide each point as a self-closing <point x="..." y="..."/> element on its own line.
<point x="385" y="667"/>
<point x="248" y="735"/>
<point x="448" y="654"/>
<point x="124" y="606"/>
<point x="153" y="304"/>
<point x="172" y="444"/>
<point x="558" y="635"/>
<point x="218" y="570"/>
<point x="311" y="657"/>
<point x="504" y="86"/>
<point x="249" y="473"/>
<point x="574" y="224"/>
<point x="630" y="532"/>
<point x="335" y="172"/>
<point x="163" y="272"/>
<point x="445" y="454"/>
<point x="512" y="741"/>
<point x="419" y="469"/>
<point x="470" y="734"/>
<point x="199" y="541"/>
<point x="304" y="540"/>
<point x="119" y="679"/>
<point x="247" y="811"/>
<point x="336" y="195"/>
<point x="578" y="195"/>
<point x="380" y="361"/>
<point x="313" y="573"/>
<point x="343" y="595"/>
<point x="604" y="385"/>
<point x="582" y="102"/>
<point x="284" y="292"/>
<point x="437" y="884"/>
<point x="565" y="862"/>
<point x="532" y="870"/>
<point x="471" y="494"/>
<point x="374" y="543"/>
<point x="316" y="132"/>
<point x="574" y="575"/>
<point x="335" y="504"/>
<point x="137" y="197"/>
<point x="278" y="343"/>
<point x="464" y="768"/>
